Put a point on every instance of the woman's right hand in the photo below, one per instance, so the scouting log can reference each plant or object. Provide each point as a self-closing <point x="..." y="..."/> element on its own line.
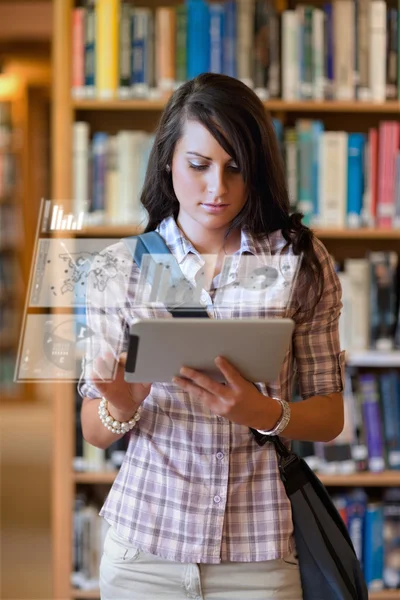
<point x="123" y="398"/>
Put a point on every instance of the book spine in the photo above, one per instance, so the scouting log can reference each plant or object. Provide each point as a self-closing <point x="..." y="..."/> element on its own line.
<point x="216" y="37"/>
<point x="107" y="48"/>
<point x="290" y="64"/>
<point x="372" y="421"/>
<point x="181" y="43"/>
<point x="329" y="78"/>
<point x="90" y="51"/>
<point x="165" y="48"/>
<point x="355" y="179"/>
<point x="377" y="45"/>
<point x="355" y="509"/>
<point x="363" y="92"/>
<point x="274" y="86"/>
<point x="78" y="52"/>
<point x="392" y="54"/>
<point x="230" y="39"/>
<point x="333" y="179"/>
<point x="291" y="165"/>
<point x="125" y="37"/>
<point x="245" y="21"/>
<point x="305" y="149"/>
<point x="318" y="53"/>
<point x="343" y="24"/>
<point x="373" y="546"/>
<point x="383" y="267"/>
<point x="80" y="167"/>
<point x="391" y="416"/>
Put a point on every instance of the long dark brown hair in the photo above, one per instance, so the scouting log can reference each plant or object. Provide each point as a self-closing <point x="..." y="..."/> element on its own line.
<point x="237" y="119"/>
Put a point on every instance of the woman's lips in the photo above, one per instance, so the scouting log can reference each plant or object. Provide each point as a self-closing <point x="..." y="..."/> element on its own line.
<point x="215" y="208"/>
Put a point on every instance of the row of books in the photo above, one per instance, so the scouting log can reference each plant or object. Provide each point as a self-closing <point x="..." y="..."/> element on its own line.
<point x="374" y="528"/>
<point x="340" y="179"/>
<point x="89" y="531"/>
<point x="337" y="179"/>
<point x="373" y="525"/>
<point x="346" y="50"/>
<point x="371" y="302"/>
<point x="370" y="440"/>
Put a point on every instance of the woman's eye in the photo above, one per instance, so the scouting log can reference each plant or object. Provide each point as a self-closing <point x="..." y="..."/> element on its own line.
<point x="233" y="168"/>
<point x="197" y="167"/>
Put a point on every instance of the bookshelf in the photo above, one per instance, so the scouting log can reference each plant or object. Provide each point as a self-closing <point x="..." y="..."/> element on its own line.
<point x="383" y="479"/>
<point x="143" y="114"/>
<point x="381" y="108"/>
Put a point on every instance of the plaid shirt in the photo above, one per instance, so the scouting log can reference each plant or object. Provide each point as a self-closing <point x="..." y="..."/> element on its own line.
<point x="193" y="486"/>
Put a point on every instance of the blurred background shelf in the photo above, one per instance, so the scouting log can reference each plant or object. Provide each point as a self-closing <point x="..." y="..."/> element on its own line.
<point x="374" y="358"/>
<point x="367" y="479"/>
<point x="272" y="105"/>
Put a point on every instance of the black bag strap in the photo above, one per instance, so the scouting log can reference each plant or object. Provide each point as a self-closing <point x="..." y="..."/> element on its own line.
<point x="152" y="243"/>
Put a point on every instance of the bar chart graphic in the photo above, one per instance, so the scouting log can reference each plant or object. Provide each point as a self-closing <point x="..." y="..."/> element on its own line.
<point x="54" y="219"/>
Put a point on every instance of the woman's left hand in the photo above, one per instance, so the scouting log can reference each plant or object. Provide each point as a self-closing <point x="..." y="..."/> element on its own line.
<point x="238" y="400"/>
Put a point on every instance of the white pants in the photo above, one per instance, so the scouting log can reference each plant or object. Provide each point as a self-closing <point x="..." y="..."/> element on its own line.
<point x="126" y="573"/>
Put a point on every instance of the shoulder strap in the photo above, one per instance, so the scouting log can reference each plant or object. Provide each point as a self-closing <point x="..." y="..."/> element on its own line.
<point x="152" y="243"/>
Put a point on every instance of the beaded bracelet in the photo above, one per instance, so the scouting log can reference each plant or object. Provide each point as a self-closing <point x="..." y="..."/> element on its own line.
<point x="112" y="424"/>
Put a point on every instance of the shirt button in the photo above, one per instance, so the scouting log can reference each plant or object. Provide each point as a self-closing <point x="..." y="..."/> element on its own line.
<point x="217" y="499"/>
<point x="220" y="455"/>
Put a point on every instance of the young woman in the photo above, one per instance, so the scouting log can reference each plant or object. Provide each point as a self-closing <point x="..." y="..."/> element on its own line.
<point x="197" y="509"/>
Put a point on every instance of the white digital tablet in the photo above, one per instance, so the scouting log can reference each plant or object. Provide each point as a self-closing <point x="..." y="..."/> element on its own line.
<point x="158" y="348"/>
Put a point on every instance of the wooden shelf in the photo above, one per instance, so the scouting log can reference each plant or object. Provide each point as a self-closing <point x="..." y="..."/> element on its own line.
<point x="374" y="358"/>
<point x="117" y="231"/>
<point x="384" y="479"/>
<point x="382" y="595"/>
<point x="94" y="477"/>
<point x="359" y="234"/>
<point x="272" y="105"/>
<point x="85" y="594"/>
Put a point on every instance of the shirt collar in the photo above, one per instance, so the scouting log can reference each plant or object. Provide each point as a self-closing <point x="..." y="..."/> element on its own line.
<point x="180" y="246"/>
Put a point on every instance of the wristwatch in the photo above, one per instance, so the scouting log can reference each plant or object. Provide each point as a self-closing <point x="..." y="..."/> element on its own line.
<point x="282" y="421"/>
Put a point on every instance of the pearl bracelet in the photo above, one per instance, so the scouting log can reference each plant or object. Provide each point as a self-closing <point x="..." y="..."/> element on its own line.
<point x="114" y="425"/>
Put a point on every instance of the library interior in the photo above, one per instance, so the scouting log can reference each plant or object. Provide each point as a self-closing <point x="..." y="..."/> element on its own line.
<point x="83" y="84"/>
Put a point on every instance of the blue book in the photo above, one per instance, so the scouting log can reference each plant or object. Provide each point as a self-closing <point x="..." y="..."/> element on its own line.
<point x="391" y="416"/>
<point x="305" y="154"/>
<point x="356" y="505"/>
<point x="217" y="27"/>
<point x="138" y="53"/>
<point x="198" y="38"/>
<point x="372" y="421"/>
<point x="230" y="41"/>
<point x="373" y="546"/>
<point x="90" y="50"/>
<point x="317" y="129"/>
<point x="278" y="127"/>
<point x="355" y="178"/>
